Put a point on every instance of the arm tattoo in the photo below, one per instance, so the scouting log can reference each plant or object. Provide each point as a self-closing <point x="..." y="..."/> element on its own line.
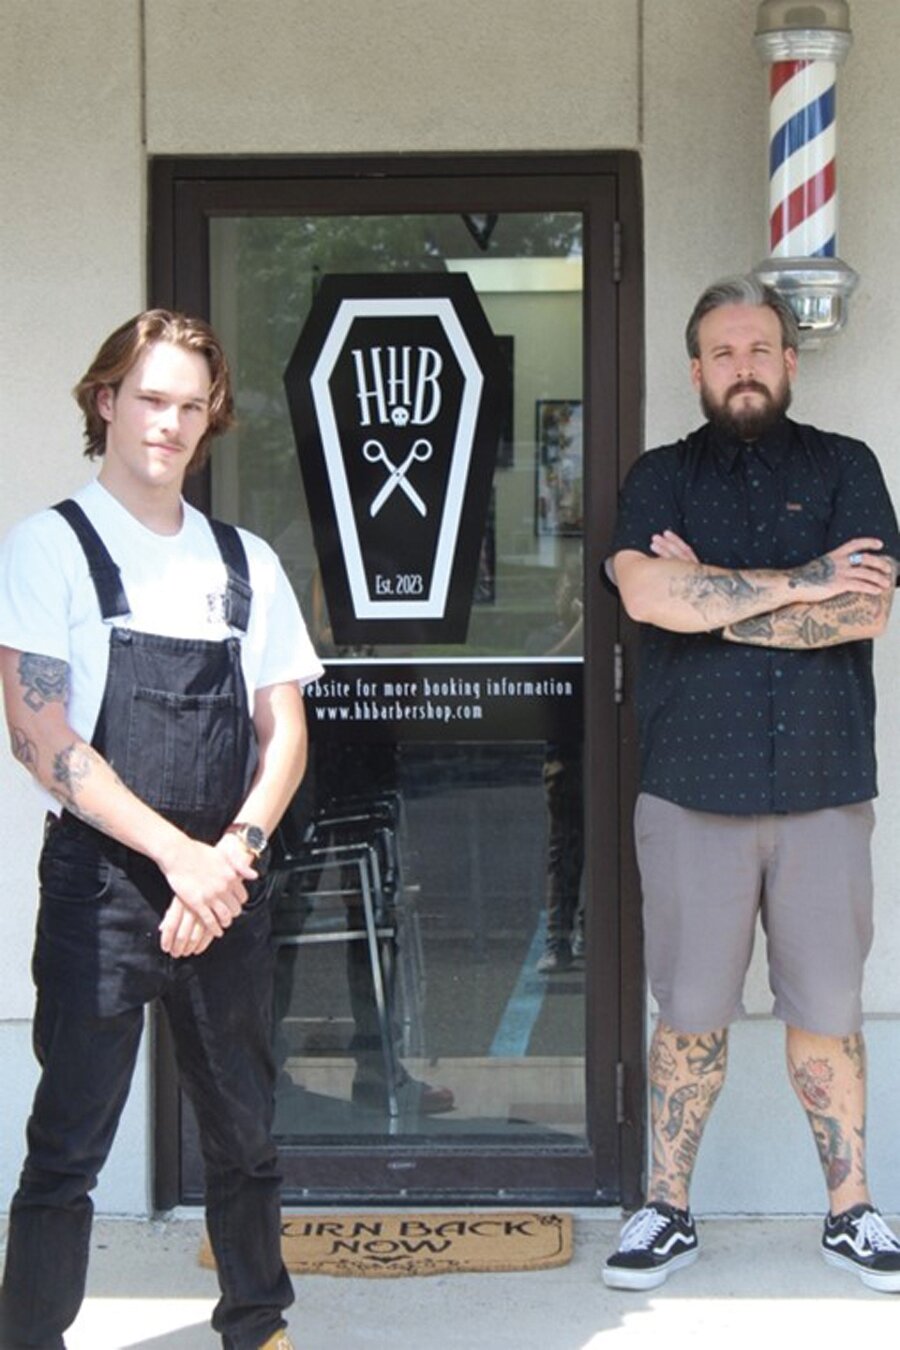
<point x="23" y="748"/>
<point x="760" y="629"/>
<point x="806" y="627"/>
<point x="816" y="573"/>
<point x="711" y="592"/>
<point x="71" y="767"/>
<point x="43" y="680"/>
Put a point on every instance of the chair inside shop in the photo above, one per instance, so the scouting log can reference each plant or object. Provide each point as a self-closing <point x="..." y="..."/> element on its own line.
<point x="336" y="879"/>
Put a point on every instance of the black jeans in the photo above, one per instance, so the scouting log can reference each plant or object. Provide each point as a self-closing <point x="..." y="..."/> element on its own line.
<point x="219" y="1010"/>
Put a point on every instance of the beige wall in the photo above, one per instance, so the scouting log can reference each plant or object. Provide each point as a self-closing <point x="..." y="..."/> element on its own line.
<point x="87" y="92"/>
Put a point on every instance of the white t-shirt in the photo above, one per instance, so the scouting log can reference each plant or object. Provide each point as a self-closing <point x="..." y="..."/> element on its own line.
<point x="175" y="586"/>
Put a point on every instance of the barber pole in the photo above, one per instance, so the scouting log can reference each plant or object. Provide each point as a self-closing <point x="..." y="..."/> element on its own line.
<point x="802" y="177"/>
<point x="803" y="60"/>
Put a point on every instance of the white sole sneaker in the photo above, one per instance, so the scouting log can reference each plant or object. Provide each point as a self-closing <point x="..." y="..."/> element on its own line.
<point x="627" y="1277"/>
<point x="886" y="1282"/>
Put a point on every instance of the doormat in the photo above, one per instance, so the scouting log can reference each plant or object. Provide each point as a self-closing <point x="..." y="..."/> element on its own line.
<point x="420" y="1244"/>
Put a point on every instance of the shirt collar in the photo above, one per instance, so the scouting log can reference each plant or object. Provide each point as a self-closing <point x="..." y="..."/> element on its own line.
<point x="770" y="449"/>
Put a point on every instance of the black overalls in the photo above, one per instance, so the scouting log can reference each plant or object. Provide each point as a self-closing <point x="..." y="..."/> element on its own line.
<point x="175" y="725"/>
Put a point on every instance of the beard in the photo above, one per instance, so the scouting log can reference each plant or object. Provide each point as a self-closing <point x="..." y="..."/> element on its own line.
<point x="747" y="424"/>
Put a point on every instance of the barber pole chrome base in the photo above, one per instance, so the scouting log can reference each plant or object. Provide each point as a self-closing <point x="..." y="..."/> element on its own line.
<point x="817" y="290"/>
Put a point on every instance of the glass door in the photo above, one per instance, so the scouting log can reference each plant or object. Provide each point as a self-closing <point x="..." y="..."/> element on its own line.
<point x="447" y="1020"/>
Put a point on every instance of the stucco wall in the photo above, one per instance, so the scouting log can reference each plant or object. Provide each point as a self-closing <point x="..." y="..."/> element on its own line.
<point x="87" y="91"/>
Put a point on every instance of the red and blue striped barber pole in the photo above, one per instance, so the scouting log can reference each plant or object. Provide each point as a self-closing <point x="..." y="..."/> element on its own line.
<point x="803" y="262"/>
<point x="802" y="177"/>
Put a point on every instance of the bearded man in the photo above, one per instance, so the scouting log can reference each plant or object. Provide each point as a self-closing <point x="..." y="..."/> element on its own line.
<point x="759" y="556"/>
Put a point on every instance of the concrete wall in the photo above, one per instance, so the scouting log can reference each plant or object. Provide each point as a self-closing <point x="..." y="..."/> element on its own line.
<point x="87" y="91"/>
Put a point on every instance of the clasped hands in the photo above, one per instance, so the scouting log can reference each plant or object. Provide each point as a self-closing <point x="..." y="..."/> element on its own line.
<point x="209" y="891"/>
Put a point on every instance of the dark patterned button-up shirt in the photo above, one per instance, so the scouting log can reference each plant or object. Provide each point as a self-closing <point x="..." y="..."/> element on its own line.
<point x="741" y="729"/>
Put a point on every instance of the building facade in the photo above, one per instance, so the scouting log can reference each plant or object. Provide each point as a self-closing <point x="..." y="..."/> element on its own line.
<point x="101" y="104"/>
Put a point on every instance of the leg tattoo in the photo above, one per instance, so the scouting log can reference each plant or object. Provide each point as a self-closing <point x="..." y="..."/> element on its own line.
<point x="828" y="1074"/>
<point x="686" y="1076"/>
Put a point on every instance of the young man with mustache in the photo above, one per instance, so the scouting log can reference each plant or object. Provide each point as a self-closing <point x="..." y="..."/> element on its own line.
<point x="759" y="556"/>
<point x="152" y="665"/>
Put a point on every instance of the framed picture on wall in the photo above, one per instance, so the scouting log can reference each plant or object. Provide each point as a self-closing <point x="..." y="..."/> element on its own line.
<point x="559" y="467"/>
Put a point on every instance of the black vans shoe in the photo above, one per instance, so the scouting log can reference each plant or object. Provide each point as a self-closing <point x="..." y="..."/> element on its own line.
<point x="859" y="1240"/>
<point x="653" y="1243"/>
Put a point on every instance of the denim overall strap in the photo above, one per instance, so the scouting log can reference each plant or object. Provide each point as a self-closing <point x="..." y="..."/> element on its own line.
<point x="238" y="593"/>
<point x="107" y="578"/>
<point x="105" y="574"/>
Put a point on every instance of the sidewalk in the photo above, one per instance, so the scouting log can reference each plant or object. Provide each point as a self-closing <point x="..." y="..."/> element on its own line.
<point x="757" y="1281"/>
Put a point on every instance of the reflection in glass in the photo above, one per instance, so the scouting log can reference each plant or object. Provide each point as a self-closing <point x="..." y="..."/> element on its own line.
<point x="474" y="935"/>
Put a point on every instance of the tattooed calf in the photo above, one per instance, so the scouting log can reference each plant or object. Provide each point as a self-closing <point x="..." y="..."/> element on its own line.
<point x="672" y="1127"/>
<point x="688" y="1147"/>
<point x="854" y="1047"/>
<point x="813" y="1081"/>
<point x="709" y="1054"/>
<point x="834" y="1149"/>
<point x="662" y="1062"/>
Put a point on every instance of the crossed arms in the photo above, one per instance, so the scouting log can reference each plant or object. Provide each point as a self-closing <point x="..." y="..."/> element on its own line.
<point x="820" y="604"/>
<point x="208" y="882"/>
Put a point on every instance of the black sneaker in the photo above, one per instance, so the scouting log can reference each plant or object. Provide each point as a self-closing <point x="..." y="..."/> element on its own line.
<point x="653" y="1243"/>
<point x="860" y="1240"/>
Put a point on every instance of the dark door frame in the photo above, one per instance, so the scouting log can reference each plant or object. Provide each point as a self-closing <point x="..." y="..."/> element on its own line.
<point x="605" y="186"/>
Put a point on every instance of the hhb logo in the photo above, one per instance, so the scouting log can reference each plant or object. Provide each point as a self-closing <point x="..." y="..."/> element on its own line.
<point x="394" y="389"/>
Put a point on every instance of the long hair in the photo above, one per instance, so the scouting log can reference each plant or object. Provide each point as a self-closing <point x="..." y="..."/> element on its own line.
<point x="126" y="345"/>
<point x="741" y="290"/>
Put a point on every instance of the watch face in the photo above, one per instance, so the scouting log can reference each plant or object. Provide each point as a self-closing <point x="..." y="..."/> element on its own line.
<point x="255" y="838"/>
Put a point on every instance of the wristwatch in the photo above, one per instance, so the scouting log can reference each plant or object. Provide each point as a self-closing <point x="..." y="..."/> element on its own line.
<point x="254" y="839"/>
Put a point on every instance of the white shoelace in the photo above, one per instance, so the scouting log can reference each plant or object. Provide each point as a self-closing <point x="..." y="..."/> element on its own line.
<point x="642" y="1230"/>
<point x="873" y="1232"/>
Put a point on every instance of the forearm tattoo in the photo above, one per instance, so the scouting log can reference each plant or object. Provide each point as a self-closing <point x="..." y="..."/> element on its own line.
<point x="43" y="680"/>
<point x="803" y="626"/>
<point x="816" y="573"/>
<point x="714" y="594"/>
<point x="71" y="769"/>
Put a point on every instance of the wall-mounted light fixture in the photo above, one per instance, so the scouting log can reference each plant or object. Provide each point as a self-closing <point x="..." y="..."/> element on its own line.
<point x="804" y="44"/>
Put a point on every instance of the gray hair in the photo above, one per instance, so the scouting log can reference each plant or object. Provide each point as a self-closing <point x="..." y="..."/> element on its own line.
<point x="741" y="290"/>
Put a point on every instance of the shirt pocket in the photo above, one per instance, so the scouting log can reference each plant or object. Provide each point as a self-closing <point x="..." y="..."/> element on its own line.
<point x="801" y="528"/>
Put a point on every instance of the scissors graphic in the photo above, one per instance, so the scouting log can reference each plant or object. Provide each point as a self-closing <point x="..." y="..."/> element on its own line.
<point x="374" y="452"/>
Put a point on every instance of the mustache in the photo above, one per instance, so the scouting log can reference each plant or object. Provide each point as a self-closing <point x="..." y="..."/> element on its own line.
<point x="748" y="387"/>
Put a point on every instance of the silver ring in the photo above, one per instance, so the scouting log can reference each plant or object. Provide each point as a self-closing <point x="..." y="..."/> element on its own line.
<point x="855" y="559"/>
